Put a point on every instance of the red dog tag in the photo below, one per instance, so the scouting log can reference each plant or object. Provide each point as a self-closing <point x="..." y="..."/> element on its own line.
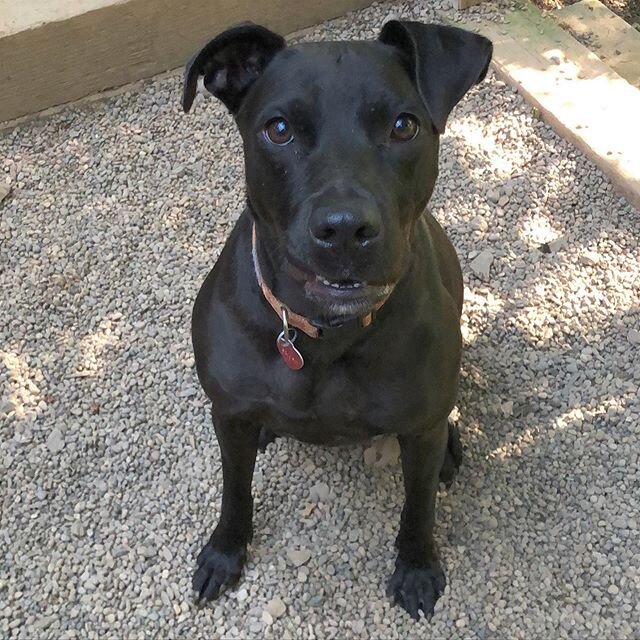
<point x="291" y="356"/>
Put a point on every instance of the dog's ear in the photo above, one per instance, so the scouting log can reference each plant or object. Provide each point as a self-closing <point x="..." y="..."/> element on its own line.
<point x="230" y="63"/>
<point x="444" y="61"/>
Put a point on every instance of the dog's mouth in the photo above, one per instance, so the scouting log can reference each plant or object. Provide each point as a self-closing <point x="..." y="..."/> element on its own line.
<point x="341" y="284"/>
<point x="342" y="297"/>
<point x="317" y="284"/>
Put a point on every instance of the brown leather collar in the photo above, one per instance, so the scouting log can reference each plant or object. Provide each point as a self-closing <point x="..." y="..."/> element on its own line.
<point x="295" y="319"/>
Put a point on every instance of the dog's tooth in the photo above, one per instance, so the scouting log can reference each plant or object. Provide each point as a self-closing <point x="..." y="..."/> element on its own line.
<point x="341" y="285"/>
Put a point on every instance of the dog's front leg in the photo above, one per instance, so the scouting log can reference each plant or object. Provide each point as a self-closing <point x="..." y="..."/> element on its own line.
<point x="221" y="560"/>
<point x="418" y="579"/>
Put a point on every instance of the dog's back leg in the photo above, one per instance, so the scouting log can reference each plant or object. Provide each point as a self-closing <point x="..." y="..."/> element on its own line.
<point x="453" y="456"/>
<point x="265" y="438"/>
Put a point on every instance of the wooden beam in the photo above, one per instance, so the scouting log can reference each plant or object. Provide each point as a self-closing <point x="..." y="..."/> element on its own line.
<point x="579" y="95"/>
<point x="57" y="51"/>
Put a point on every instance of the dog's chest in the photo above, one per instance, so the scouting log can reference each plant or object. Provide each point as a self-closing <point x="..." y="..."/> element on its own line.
<point x="342" y="403"/>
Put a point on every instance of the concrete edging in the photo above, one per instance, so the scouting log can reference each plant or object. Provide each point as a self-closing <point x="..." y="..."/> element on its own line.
<point x="61" y="50"/>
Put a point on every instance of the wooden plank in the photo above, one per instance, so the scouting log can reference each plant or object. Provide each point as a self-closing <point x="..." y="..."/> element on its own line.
<point x="581" y="97"/>
<point x="612" y="39"/>
<point x="58" y="51"/>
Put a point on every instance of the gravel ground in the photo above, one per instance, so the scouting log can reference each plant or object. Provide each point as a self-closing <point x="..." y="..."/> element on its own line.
<point x="109" y="468"/>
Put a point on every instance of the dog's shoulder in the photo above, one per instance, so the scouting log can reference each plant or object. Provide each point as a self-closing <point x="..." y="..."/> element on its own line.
<point x="446" y="257"/>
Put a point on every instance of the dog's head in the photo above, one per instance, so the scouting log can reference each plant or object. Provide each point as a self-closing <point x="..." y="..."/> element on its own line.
<point x="341" y="147"/>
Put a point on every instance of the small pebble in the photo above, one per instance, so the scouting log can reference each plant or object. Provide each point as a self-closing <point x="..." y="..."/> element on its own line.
<point x="276" y="608"/>
<point x="481" y="264"/>
<point x="319" y="492"/>
<point x="55" y="441"/>
<point x="298" y="557"/>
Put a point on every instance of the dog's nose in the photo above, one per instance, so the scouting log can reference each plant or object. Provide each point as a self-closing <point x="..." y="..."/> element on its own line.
<point x="332" y="229"/>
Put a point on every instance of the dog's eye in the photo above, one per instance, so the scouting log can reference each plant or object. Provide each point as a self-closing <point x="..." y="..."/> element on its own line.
<point x="405" y="128"/>
<point x="278" y="131"/>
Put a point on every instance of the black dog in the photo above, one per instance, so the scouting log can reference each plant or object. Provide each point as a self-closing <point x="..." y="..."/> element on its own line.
<point x="333" y="312"/>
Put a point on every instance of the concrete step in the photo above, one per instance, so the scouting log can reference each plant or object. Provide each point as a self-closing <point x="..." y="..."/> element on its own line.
<point x="609" y="36"/>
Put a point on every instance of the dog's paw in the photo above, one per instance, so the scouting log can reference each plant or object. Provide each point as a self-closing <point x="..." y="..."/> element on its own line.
<point x="452" y="457"/>
<point x="216" y="571"/>
<point x="416" y="589"/>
